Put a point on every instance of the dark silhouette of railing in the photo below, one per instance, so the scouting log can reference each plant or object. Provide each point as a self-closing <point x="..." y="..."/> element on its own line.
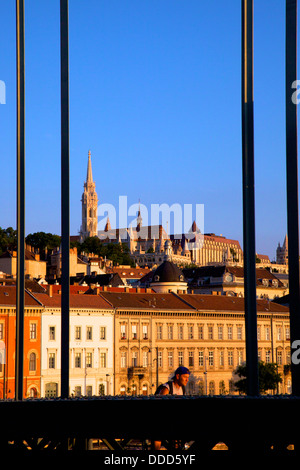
<point x="246" y="422"/>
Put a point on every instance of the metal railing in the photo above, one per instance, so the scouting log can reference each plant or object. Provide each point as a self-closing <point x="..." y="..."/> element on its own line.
<point x="64" y="411"/>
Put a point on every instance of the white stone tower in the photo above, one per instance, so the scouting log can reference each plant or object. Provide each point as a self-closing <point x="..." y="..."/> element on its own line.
<point x="89" y="225"/>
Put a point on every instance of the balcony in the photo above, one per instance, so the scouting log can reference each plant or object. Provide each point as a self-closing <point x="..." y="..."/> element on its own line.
<point x="136" y="371"/>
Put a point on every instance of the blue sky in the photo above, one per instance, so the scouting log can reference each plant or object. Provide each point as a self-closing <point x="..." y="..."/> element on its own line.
<point x="155" y="95"/>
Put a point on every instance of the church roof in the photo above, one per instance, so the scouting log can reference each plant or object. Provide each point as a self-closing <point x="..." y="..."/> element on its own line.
<point x="168" y="272"/>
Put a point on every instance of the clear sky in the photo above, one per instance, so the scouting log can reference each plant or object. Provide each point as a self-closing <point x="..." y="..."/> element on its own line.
<point x="155" y="90"/>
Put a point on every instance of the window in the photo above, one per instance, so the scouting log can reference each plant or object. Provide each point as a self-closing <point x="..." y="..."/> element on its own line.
<point x="221" y="359"/>
<point x="211" y="388"/>
<point x="191" y="358"/>
<point x="103" y="332"/>
<point x="222" y="389"/>
<point x="239" y="332"/>
<point x="160" y="359"/>
<point x="210" y="358"/>
<point x="89" y="359"/>
<point x="279" y="333"/>
<point x="159" y="331"/>
<point x="267" y="333"/>
<point x="258" y="333"/>
<point x="170" y="359"/>
<point x="210" y="332"/>
<point x="32" y="362"/>
<point x="200" y="332"/>
<point x="230" y="358"/>
<point x="180" y="331"/>
<point x="134" y="359"/>
<point x="78" y="333"/>
<point x="268" y="356"/>
<point x="77" y="391"/>
<point x="51" y="390"/>
<point x="78" y="360"/>
<point x="279" y="358"/>
<point x="123" y="359"/>
<point x="103" y="360"/>
<point x="180" y="358"/>
<point x="123" y="332"/>
<point x="240" y="357"/>
<point x="287" y="333"/>
<point x="201" y="358"/>
<point x="145" y="331"/>
<point x="32" y="331"/>
<point x="220" y="332"/>
<point x="102" y="390"/>
<point x="89" y="390"/>
<point x="145" y="358"/>
<point x="89" y="332"/>
<point x="190" y="332"/>
<point x="1" y="331"/>
<point x="170" y="331"/>
<point x="229" y="332"/>
<point x="51" y="333"/>
<point x="134" y="331"/>
<point x="51" y="360"/>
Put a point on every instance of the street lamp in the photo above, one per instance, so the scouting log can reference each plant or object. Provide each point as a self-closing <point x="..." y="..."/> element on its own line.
<point x="155" y="359"/>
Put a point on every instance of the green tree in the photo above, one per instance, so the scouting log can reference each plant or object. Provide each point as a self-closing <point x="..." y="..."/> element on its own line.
<point x="92" y="245"/>
<point x="43" y="240"/>
<point x="267" y="375"/>
<point x="8" y="239"/>
<point x="117" y="253"/>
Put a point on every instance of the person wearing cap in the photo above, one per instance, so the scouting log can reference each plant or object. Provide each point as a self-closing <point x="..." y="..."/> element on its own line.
<point x="175" y="386"/>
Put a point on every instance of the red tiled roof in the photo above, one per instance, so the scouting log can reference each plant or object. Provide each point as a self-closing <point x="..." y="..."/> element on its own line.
<point x="228" y="303"/>
<point x="8" y="297"/>
<point x="76" y="301"/>
<point x="130" y="272"/>
<point x="166" y="301"/>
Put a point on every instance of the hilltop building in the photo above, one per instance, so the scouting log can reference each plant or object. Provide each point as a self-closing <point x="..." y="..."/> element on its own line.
<point x="282" y="255"/>
<point x="89" y="201"/>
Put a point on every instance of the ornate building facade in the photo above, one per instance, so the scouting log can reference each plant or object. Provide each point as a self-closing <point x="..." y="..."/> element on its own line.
<point x="89" y="201"/>
<point x="282" y="255"/>
<point x="154" y="333"/>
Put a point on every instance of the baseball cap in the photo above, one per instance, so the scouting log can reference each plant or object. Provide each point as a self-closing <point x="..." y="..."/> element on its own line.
<point x="181" y="370"/>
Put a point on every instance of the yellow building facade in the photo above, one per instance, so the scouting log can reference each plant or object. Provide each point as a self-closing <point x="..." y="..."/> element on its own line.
<point x="155" y="333"/>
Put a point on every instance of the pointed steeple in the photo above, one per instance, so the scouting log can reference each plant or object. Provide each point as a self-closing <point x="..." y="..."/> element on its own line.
<point x="89" y="205"/>
<point x="139" y="219"/>
<point x="89" y="175"/>
<point x="107" y="225"/>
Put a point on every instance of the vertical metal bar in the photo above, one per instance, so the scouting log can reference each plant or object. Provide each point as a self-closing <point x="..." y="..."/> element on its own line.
<point x="65" y="197"/>
<point x="20" y="289"/>
<point x="248" y="198"/>
<point x="292" y="185"/>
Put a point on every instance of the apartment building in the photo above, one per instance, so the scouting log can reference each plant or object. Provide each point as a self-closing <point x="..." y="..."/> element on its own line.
<point x="157" y="332"/>
<point x="91" y="345"/>
<point x="32" y="344"/>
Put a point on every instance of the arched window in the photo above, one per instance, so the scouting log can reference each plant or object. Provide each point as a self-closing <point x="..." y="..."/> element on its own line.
<point x="211" y="388"/>
<point x="32" y="362"/>
<point x="33" y="392"/>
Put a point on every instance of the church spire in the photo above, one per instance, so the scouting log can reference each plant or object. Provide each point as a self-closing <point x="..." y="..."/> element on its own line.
<point x="89" y="175"/>
<point x="89" y="200"/>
